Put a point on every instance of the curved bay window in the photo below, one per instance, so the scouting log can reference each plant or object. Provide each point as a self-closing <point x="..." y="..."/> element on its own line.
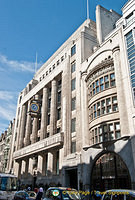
<point x="110" y="172"/>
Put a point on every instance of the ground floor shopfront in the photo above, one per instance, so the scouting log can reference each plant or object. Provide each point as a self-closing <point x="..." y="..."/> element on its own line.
<point x="96" y="168"/>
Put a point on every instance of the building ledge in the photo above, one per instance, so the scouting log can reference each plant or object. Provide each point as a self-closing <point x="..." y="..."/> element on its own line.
<point x="45" y="144"/>
<point x="105" y="144"/>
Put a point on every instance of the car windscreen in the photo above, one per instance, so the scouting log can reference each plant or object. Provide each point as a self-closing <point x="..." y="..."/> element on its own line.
<point x="70" y="194"/>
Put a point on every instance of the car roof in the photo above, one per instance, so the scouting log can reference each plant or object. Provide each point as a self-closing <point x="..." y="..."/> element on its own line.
<point x="121" y="190"/>
<point x="60" y="188"/>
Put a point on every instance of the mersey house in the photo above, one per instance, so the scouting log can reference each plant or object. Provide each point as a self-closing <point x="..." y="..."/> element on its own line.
<point x="75" y="120"/>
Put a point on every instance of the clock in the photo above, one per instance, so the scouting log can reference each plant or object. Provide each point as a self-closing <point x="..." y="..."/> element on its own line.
<point x="34" y="107"/>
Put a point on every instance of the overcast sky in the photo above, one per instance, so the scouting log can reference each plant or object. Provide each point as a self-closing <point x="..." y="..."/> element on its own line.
<point x="30" y="26"/>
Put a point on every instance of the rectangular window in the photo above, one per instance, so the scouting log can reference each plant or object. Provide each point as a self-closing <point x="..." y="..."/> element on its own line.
<point x="59" y="114"/>
<point x="73" y="104"/>
<point x="73" y="50"/>
<point x="57" y="163"/>
<point x="48" y="121"/>
<point x="46" y="164"/>
<point x="73" y="67"/>
<point x="73" y="125"/>
<point x="73" y="147"/>
<point x="73" y="84"/>
<point x="59" y="97"/>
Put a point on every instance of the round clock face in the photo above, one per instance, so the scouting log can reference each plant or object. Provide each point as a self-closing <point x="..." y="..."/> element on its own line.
<point x="34" y="107"/>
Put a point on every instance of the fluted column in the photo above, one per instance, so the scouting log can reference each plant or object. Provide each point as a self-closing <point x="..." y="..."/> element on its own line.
<point x="53" y="109"/>
<point x="120" y="91"/>
<point x="44" y="115"/>
<point x="22" y="129"/>
<point x="34" y="130"/>
<point x="28" y="127"/>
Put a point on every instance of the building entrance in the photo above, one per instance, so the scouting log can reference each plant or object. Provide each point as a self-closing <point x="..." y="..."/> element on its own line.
<point x="71" y="178"/>
<point x="110" y="172"/>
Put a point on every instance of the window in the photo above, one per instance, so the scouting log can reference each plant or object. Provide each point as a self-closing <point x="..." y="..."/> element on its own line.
<point x="73" y="67"/>
<point x="54" y="66"/>
<point x="59" y="113"/>
<point x="73" y="125"/>
<point x="58" y="130"/>
<point x="59" y="97"/>
<point x="49" y="103"/>
<point x="73" y="84"/>
<point x="73" y="147"/>
<point x="58" y="62"/>
<point x="48" y="121"/>
<point x="46" y="164"/>
<point x="73" y="50"/>
<point x="57" y="162"/>
<point x="62" y="58"/>
<point x="73" y="104"/>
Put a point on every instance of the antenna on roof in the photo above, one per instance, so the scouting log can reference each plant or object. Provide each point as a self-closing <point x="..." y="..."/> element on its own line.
<point x="36" y="63"/>
<point x="87" y="9"/>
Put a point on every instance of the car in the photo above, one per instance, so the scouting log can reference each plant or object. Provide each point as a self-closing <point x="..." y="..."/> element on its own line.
<point x="61" y="193"/>
<point x="119" y="194"/>
<point x="23" y="195"/>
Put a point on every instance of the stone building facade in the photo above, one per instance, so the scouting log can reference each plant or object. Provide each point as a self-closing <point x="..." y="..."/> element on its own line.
<point x="5" y="149"/>
<point x="75" y="119"/>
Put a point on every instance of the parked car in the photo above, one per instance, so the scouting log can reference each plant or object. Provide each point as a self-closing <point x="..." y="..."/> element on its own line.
<point x="23" y="195"/>
<point x="61" y="193"/>
<point x="119" y="194"/>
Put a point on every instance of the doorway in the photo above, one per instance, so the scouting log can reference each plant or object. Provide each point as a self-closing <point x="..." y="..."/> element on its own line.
<point x="110" y="172"/>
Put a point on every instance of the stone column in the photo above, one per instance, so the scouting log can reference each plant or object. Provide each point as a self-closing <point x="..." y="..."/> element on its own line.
<point x="44" y="115"/>
<point x="66" y="107"/>
<point x="53" y="117"/>
<point x="22" y="129"/>
<point x="30" y="169"/>
<point x="34" y="130"/>
<point x="28" y="127"/>
<point x="17" y="168"/>
<point x="40" y="164"/>
<point x="50" y="164"/>
<point x="23" y="167"/>
<point x="120" y="91"/>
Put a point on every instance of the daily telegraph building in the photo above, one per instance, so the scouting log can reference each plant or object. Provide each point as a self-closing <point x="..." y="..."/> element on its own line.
<point x="75" y="118"/>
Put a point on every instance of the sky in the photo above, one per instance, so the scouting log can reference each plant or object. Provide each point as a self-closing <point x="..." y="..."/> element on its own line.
<point x="28" y="27"/>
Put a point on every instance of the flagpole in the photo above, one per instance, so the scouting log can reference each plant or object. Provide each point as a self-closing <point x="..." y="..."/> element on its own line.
<point x="87" y="9"/>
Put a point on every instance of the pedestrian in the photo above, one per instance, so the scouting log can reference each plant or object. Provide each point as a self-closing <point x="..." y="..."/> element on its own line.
<point x="39" y="194"/>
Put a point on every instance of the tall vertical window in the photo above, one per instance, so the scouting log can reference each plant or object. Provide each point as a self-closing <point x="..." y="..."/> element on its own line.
<point x="73" y="104"/>
<point x="58" y="113"/>
<point x="73" y="84"/>
<point x="131" y="58"/>
<point x="57" y="163"/>
<point x="46" y="163"/>
<point x="73" y="125"/>
<point x="73" y="147"/>
<point x="73" y="67"/>
<point x="73" y="50"/>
